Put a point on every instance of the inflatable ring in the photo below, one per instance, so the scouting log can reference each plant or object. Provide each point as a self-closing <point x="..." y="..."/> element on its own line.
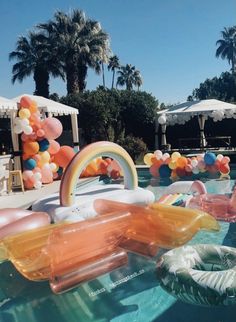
<point x="84" y="157"/>
<point x="200" y="274"/>
<point x="192" y="187"/>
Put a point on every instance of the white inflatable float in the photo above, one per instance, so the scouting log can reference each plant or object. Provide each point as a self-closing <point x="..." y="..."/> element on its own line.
<point x="73" y="205"/>
<point x="187" y="187"/>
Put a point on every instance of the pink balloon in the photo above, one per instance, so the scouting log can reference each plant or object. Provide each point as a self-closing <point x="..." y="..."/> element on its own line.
<point x="52" y="128"/>
<point x="25" y="137"/>
<point x="33" y="136"/>
<point x="54" y="147"/>
<point x="55" y="175"/>
<point x="27" y="174"/>
<point x="47" y="175"/>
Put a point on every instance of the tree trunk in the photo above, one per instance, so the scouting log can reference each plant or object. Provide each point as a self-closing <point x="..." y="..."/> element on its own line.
<point x="113" y="79"/>
<point x="72" y="79"/>
<point x="41" y="79"/>
<point x="233" y="65"/>
<point x="82" y="74"/>
<point x="103" y="75"/>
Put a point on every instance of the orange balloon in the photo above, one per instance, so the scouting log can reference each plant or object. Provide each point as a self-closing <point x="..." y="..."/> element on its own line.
<point x="28" y="184"/>
<point x="92" y="169"/>
<point x="103" y="166"/>
<point x="33" y="107"/>
<point x="181" y="162"/>
<point x="31" y="147"/>
<point x="64" y="155"/>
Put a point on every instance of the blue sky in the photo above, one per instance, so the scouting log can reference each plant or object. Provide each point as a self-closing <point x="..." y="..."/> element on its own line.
<point x="171" y="42"/>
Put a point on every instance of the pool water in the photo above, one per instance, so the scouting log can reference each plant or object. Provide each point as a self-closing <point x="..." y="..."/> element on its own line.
<point x="131" y="293"/>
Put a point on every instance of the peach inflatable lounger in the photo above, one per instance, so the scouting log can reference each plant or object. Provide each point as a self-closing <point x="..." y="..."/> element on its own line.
<point x="72" y="205"/>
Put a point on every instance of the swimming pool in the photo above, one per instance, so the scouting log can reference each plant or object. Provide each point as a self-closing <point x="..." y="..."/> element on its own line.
<point x="131" y="293"/>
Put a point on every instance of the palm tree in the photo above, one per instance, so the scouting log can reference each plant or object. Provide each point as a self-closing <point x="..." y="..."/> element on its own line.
<point x="113" y="65"/>
<point x="129" y="76"/>
<point x="227" y="46"/>
<point x="35" y="55"/>
<point x="137" y="79"/>
<point x="80" y="43"/>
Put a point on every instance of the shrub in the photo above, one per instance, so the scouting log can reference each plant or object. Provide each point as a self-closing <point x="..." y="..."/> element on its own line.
<point x="134" y="146"/>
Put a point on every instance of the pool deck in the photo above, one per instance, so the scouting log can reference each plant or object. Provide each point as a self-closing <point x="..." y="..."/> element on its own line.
<point x="18" y="199"/>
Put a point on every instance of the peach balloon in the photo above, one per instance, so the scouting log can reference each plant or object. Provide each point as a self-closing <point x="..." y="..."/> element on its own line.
<point x="54" y="147"/>
<point x="63" y="157"/>
<point x="40" y="133"/>
<point x="33" y="107"/>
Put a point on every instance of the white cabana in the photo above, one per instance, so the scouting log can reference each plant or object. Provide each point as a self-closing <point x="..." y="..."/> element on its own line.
<point x="52" y="108"/>
<point x="182" y="113"/>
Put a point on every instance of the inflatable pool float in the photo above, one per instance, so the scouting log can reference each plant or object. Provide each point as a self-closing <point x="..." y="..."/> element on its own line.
<point x="220" y="206"/>
<point x="200" y="274"/>
<point x="15" y="220"/>
<point x="186" y="187"/>
<point x="179" y="193"/>
<point x="74" y="205"/>
<point x="68" y="254"/>
<point x="166" y="226"/>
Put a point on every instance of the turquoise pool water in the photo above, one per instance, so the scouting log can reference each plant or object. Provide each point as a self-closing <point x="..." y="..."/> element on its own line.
<point x="131" y="293"/>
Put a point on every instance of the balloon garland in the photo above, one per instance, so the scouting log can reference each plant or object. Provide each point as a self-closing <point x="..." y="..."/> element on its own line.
<point x="43" y="157"/>
<point x="176" y="165"/>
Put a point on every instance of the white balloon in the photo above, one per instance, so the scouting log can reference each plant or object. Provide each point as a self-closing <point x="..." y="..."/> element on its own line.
<point x="219" y="157"/>
<point x="24" y="122"/>
<point x="158" y="154"/>
<point x="162" y="119"/>
<point x="17" y="129"/>
<point x="28" y="129"/>
<point x="53" y="166"/>
<point x="37" y="184"/>
<point x="165" y="156"/>
<point x="195" y="170"/>
<point x="46" y="166"/>
<point x="37" y="176"/>
<point x="17" y="120"/>
<point x="194" y="163"/>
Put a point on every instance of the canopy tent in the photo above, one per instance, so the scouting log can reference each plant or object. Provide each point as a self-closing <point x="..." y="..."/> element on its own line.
<point x="52" y="108"/>
<point x="182" y="113"/>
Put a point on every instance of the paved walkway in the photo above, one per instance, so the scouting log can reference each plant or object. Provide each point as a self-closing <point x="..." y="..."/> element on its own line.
<point x="22" y="200"/>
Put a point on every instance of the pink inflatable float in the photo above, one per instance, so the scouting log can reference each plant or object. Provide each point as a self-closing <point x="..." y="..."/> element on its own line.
<point x="220" y="206"/>
<point x="14" y="220"/>
<point x="178" y="193"/>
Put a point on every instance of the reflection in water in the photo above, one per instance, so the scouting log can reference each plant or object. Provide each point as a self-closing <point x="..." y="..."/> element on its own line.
<point x="22" y="300"/>
<point x="131" y="293"/>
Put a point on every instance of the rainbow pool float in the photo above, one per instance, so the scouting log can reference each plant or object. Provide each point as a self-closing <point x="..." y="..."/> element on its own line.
<point x="77" y="205"/>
